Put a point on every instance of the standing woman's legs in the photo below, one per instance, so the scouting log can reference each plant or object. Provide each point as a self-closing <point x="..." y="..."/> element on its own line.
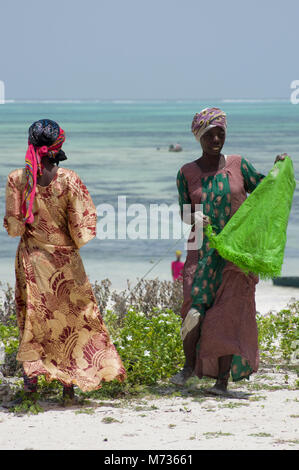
<point x="30" y="386"/>
<point x="224" y="371"/>
<point x="30" y="383"/>
<point x="68" y="392"/>
<point x="29" y="389"/>
<point x="224" y="364"/>
<point x="190" y="333"/>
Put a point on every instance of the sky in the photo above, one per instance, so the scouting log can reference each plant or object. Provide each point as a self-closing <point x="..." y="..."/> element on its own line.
<point x="154" y="49"/>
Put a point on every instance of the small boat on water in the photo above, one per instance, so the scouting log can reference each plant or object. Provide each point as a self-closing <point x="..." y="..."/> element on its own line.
<point x="292" y="281"/>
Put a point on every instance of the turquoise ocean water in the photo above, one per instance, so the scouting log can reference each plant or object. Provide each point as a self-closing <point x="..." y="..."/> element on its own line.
<point x="120" y="148"/>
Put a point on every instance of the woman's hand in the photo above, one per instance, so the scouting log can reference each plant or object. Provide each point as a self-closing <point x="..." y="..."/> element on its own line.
<point x="201" y="219"/>
<point x="280" y="157"/>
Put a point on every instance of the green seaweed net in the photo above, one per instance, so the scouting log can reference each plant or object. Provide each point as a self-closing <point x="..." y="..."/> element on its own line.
<point x="254" y="238"/>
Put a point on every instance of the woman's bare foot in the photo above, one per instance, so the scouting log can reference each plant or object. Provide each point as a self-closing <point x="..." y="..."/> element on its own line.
<point x="220" y="387"/>
<point x="182" y="376"/>
<point x="218" y="390"/>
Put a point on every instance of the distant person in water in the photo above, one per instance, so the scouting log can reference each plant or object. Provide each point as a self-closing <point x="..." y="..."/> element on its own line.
<point x="175" y="148"/>
<point x="177" y="267"/>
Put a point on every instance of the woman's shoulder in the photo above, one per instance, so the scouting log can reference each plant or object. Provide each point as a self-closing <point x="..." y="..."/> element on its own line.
<point x="68" y="176"/>
<point x="237" y="161"/>
<point x="189" y="165"/>
<point x="17" y="176"/>
<point x="72" y="180"/>
<point x="67" y="173"/>
<point x="188" y="168"/>
<point x="234" y="158"/>
<point x="234" y="162"/>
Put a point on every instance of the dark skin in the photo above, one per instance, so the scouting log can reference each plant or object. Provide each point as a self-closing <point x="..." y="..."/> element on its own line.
<point x="213" y="160"/>
<point x="212" y="143"/>
<point x="49" y="172"/>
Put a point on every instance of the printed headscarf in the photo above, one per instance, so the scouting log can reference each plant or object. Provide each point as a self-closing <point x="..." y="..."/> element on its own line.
<point x="45" y="138"/>
<point x="206" y="119"/>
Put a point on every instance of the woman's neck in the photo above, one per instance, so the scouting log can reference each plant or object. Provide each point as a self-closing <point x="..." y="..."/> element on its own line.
<point x="211" y="162"/>
<point x="49" y="171"/>
<point x="48" y="163"/>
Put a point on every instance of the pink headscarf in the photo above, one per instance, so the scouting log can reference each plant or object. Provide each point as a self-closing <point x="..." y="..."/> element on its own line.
<point x="34" y="167"/>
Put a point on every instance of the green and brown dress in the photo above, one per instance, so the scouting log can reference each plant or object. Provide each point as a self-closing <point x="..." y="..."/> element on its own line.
<point x="218" y="289"/>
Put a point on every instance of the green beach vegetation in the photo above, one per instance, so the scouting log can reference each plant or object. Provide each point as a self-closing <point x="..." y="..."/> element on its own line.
<point x="144" y="324"/>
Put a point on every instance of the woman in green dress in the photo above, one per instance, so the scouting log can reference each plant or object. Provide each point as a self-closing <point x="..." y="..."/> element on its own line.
<point x="219" y="329"/>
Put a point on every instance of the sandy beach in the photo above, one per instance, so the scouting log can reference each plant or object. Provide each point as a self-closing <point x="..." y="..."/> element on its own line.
<point x="265" y="417"/>
<point x="269" y="297"/>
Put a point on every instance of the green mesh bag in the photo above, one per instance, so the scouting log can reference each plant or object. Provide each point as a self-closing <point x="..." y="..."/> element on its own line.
<point x="254" y="238"/>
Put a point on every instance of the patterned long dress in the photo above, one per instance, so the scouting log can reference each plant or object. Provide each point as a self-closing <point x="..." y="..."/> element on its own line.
<point x="62" y="334"/>
<point x="218" y="289"/>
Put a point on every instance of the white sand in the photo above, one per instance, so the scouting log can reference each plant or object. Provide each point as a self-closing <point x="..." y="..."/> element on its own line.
<point x="265" y="420"/>
<point x="269" y="297"/>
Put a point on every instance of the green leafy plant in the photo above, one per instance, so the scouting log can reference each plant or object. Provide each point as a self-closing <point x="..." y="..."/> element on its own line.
<point x="9" y="336"/>
<point x="9" y="333"/>
<point x="279" y="333"/>
<point x="28" y="405"/>
<point x="149" y="345"/>
<point x="8" y="323"/>
<point x="146" y="333"/>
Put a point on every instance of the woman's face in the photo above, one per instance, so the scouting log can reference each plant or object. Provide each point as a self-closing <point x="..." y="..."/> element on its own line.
<point x="213" y="141"/>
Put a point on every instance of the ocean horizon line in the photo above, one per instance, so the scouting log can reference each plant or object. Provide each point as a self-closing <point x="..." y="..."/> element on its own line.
<point x="144" y="100"/>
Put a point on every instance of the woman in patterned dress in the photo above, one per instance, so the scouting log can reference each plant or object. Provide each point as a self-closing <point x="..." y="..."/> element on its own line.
<point x="62" y="334"/>
<point x="219" y="329"/>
